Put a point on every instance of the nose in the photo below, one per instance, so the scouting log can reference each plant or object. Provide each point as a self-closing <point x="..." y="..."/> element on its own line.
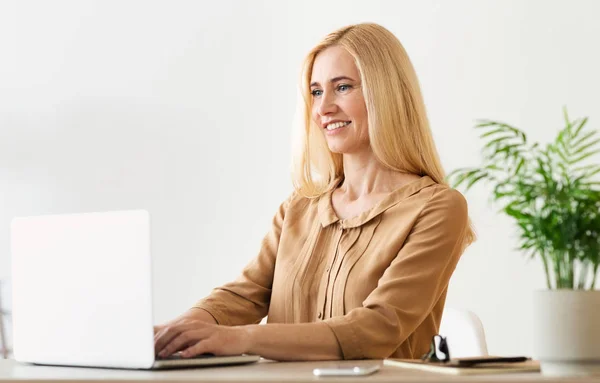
<point x="327" y="104"/>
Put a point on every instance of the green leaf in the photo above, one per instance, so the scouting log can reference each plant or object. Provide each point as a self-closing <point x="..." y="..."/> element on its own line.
<point x="592" y="172"/>
<point x="460" y="180"/>
<point x="482" y="123"/>
<point x="582" y="157"/>
<point x="541" y="169"/>
<point x="456" y="171"/>
<point x="566" y="116"/>
<point x="565" y="169"/>
<point x="560" y="138"/>
<point x="461" y="175"/>
<point x="589" y="145"/>
<point x="563" y="156"/>
<point x="519" y="166"/>
<point x="475" y="180"/>
<point x="583" y="139"/>
<point x="516" y="132"/>
<point x="579" y="127"/>
<point x="492" y="132"/>
<point x="493" y="167"/>
<point x="564" y="146"/>
<point x="585" y="168"/>
<point x="456" y="177"/>
<point x="523" y="137"/>
<point x="508" y="151"/>
<point x="497" y="140"/>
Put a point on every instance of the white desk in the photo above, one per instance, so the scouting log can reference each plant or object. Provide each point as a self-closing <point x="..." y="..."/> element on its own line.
<point x="264" y="371"/>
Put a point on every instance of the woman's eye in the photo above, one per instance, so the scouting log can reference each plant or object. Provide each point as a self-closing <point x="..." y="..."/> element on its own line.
<point x="316" y="92"/>
<point x="344" y="87"/>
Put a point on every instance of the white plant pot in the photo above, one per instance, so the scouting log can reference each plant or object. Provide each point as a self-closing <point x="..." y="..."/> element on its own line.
<point x="566" y="332"/>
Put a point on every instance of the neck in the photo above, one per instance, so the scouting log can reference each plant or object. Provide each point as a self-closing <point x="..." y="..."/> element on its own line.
<point x="365" y="175"/>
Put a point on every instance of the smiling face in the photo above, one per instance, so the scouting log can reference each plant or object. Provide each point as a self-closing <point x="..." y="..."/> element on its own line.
<point x="338" y="105"/>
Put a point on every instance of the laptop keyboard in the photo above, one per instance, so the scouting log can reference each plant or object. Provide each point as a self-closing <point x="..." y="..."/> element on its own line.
<point x="178" y="356"/>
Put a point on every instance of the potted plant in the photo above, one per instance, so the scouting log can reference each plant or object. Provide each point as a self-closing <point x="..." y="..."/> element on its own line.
<point x="553" y="195"/>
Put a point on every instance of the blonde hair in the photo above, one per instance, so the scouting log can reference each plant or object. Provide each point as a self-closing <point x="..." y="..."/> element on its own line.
<point x="399" y="131"/>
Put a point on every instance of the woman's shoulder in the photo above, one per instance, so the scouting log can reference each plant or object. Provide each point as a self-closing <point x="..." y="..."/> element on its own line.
<point x="445" y="192"/>
<point x="442" y="197"/>
<point x="425" y="191"/>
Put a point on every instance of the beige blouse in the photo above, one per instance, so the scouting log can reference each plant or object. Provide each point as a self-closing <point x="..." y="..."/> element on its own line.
<point x="379" y="280"/>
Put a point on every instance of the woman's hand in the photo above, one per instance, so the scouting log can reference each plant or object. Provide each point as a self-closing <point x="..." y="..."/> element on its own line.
<point x="190" y="315"/>
<point x="195" y="337"/>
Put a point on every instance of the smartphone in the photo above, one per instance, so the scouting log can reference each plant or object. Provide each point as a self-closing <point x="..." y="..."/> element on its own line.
<point x="346" y="371"/>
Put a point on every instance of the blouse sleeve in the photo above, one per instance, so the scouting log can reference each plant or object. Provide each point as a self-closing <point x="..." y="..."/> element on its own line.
<point x="412" y="284"/>
<point x="246" y="300"/>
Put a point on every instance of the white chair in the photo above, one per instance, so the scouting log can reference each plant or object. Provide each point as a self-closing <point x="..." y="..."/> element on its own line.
<point x="464" y="333"/>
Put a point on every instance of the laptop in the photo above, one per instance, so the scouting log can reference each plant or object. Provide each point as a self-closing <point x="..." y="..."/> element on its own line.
<point x="82" y="293"/>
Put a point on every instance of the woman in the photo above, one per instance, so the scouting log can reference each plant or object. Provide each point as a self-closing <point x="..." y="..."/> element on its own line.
<point x="359" y="257"/>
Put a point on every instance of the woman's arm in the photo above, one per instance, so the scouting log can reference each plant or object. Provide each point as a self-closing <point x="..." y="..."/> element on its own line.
<point x="305" y="341"/>
<point x="193" y="314"/>
<point x="405" y="295"/>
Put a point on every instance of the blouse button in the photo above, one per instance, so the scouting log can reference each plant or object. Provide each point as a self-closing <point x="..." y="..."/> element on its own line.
<point x="320" y="315"/>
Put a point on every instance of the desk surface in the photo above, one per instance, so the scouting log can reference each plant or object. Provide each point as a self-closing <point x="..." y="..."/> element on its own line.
<point x="264" y="371"/>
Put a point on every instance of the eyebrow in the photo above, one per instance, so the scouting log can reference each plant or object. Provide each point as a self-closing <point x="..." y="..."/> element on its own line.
<point x="335" y="79"/>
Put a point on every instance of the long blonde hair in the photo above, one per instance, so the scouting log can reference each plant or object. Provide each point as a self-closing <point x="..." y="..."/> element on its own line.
<point x="399" y="131"/>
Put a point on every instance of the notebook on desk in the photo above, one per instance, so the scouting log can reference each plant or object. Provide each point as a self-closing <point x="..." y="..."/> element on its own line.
<point x="463" y="366"/>
<point x="82" y="293"/>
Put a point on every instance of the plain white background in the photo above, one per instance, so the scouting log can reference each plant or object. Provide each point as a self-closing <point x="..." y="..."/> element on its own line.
<point x="185" y="108"/>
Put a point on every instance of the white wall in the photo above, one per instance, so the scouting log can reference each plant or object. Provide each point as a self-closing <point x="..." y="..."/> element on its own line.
<point x="185" y="108"/>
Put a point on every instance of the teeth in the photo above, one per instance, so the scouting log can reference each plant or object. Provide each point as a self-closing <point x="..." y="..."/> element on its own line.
<point x="337" y="125"/>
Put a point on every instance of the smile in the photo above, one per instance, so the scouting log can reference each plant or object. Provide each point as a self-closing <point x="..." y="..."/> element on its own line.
<point x="337" y="125"/>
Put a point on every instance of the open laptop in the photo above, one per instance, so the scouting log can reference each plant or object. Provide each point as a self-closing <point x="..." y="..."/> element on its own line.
<point x="82" y="293"/>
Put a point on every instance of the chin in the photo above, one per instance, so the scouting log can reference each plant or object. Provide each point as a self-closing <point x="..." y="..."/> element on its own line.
<point x="345" y="147"/>
<point x="338" y="149"/>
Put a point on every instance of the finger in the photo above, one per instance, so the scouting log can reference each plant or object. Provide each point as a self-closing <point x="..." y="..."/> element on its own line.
<point x="167" y="335"/>
<point x="159" y="330"/>
<point x="198" y="348"/>
<point x="163" y="337"/>
<point x="161" y="327"/>
<point x="184" y="340"/>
